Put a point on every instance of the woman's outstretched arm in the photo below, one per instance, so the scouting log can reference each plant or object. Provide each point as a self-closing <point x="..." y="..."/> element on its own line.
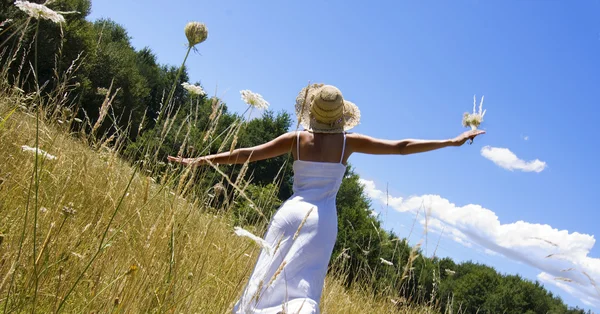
<point x="274" y="148"/>
<point x="368" y="145"/>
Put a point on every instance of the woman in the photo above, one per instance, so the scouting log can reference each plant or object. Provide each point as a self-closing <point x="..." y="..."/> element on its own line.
<point x="289" y="278"/>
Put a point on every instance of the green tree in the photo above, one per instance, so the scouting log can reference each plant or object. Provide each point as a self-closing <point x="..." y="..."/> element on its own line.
<point x="357" y="231"/>
<point x="261" y="130"/>
<point x="264" y="197"/>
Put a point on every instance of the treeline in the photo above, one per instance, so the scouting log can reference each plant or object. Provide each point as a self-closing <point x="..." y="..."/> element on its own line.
<point x="101" y="64"/>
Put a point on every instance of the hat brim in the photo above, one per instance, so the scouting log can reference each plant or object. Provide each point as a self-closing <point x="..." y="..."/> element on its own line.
<point x="351" y="116"/>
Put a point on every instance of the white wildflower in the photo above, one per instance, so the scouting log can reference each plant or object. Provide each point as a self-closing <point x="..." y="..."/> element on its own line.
<point x="193" y="89"/>
<point x="26" y="148"/>
<point x="386" y="262"/>
<point x="39" y="11"/>
<point x="253" y="99"/>
<point x="261" y="242"/>
<point x="474" y="119"/>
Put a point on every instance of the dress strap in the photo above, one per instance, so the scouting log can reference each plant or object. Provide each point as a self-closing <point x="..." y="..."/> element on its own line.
<point x="343" y="149"/>
<point x="297" y="145"/>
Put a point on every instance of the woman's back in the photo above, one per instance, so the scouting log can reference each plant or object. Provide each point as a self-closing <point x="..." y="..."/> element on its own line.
<point x="320" y="147"/>
<point x="303" y="231"/>
<point x="318" y="169"/>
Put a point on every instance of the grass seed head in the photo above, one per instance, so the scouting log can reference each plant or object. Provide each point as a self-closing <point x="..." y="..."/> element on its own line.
<point x="386" y="262"/>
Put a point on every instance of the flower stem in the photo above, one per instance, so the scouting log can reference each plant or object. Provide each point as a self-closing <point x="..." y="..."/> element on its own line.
<point x="174" y="87"/>
<point x="35" y="168"/>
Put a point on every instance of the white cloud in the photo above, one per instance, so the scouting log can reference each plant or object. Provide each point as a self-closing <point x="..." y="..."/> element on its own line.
<point x="526" y="138"/>
<point x="550" y="250"/>
<point x="506" y="159"/>
<point x="588" y="295"/>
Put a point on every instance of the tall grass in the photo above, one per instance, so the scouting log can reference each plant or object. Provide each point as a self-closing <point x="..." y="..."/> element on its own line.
<point x="107" y="235"/>
<point x="115" y="240"/>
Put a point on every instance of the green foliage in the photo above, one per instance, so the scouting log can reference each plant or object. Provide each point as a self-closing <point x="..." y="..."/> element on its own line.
<point x="263" y="197"/>
<point x="258" y="131"/>
<point x="357" y="231"/>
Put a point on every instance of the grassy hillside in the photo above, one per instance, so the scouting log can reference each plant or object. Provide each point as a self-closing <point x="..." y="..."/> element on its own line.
<point x="102" y="237"/>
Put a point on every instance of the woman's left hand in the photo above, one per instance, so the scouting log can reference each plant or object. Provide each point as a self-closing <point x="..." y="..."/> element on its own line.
<point x="469" y="135"/>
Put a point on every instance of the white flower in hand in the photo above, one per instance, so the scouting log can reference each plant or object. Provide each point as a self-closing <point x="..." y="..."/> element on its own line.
<point x="474" y="119"/>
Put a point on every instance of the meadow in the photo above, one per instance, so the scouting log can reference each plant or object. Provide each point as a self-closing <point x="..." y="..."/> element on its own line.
<point x="108" y="238"/>
<point x="93" y="219"/>
<point x="83" y="229"/>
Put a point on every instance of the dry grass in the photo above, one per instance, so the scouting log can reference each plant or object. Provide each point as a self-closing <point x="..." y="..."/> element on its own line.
<point x="160" y="253"/>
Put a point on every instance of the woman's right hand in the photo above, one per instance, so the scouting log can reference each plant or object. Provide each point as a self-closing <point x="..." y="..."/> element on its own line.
<point x="184" y="161"/>
<point x="468" y="135"/>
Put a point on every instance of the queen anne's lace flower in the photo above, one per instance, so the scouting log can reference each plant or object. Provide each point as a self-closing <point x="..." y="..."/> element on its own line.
<point x="193" y="89"/>
<point x="39" y="11"/>
<point x="253" y="99"/>
<point x="196" y="33"/>
<point x="474" y="119"/>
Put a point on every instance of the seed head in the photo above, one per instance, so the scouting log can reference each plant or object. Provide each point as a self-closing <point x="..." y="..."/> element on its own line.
<point x="196" y="33"/>
<point x="69" y="210"/>
<point x="219" y="189"/>
<point x="386" y="262"/>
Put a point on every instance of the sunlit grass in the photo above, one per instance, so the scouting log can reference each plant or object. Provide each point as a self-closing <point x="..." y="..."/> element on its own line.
<point x="160" y="252"/>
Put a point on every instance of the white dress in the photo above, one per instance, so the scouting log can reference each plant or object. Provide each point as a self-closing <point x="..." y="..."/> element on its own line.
<point x="291" y="278"/>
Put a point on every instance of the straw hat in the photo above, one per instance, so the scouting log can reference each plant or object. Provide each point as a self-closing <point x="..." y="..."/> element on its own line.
<point x="322" y="109"/>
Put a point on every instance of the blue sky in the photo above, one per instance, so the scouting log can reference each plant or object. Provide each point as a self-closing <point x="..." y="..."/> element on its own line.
<point x="413" y="68"/>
